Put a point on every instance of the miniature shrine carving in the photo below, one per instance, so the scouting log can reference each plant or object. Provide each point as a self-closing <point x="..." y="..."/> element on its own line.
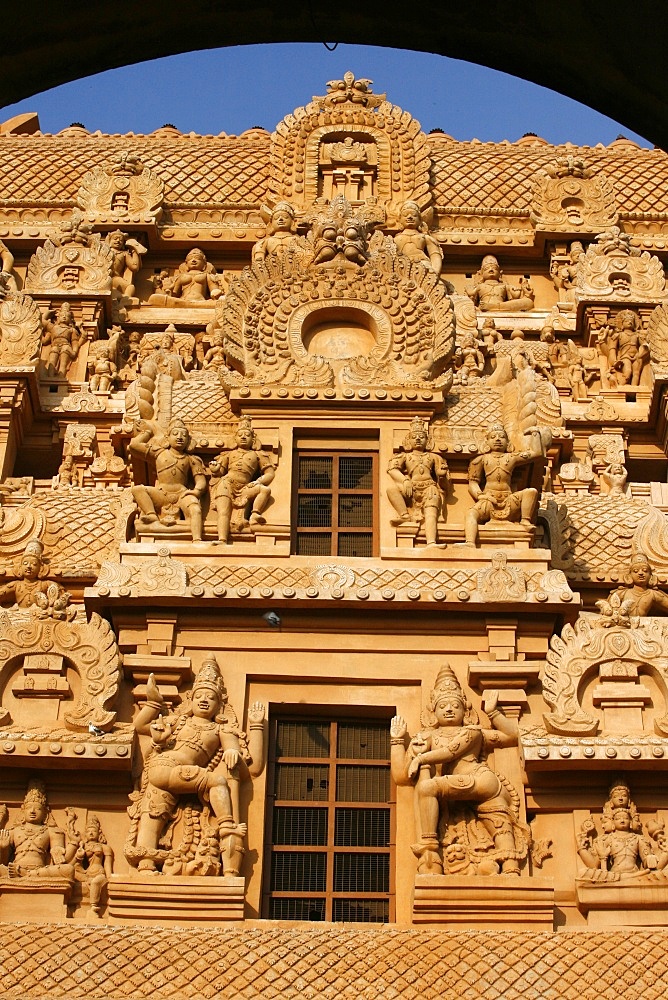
<point x="242" y="482"/>
<point x="623" y="350"/>
<point x="76" y="261"/>
<point x="492" y="294"/>
<point x="496" y="500"/>
<point x="467" y="814"/>
<point x="181" y="481"/>
<point x="121" y="188"/>
<point x="198" y="754"/>
<point x="20" y="326"/>
<point x="625" y="849"/>
<point x="35" y="848"/>
<point x="570" y="197"/>
<point x="421" y="480"/>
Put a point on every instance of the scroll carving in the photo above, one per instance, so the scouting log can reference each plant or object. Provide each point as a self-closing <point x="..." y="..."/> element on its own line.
<point x="569" y="197"/>
<point x="20" y="328"/>
<point x="121" y="188"/>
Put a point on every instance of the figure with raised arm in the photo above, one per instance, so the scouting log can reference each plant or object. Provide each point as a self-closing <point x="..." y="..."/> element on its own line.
<point x="245" y="474"/>
<point x="491" y="293"/>
<point x="419" y="480"/>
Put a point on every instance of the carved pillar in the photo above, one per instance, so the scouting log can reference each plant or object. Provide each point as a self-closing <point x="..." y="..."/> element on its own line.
<point x="16" y="415"/>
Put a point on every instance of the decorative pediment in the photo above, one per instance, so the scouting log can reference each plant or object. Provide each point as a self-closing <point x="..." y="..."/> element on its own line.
<point x="569" y="197"/>
<point x="121" y="190"/>
<point x="350" y="142"/>
<point x="338" y="314"/>
<point x="76" y="261"/>
<point x="631" y="666"/>
<point x="613" y="269"/>
<point x="20" y="329"/>
<point x="43" y="642"/>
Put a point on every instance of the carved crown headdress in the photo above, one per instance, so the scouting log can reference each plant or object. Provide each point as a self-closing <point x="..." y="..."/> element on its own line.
<point x="36" y="792"/>
<point x="210" y="677"/>
<point x="447" y="683"/>
<point x="34" y="548"/>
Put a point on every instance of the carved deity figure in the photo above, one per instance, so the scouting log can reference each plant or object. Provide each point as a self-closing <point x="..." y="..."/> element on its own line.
<point x="624" y="350"/>
<point x="623" y="851"/>
<point x="200" y="752"/>
<point x="640" y="596"/>
<point x="280" y="235"/>
<point x="166" y="357"/>
<point x="245" y="474"/>
<point x="492" y="294"/>
<point x="564" y="275"/>
<point x="93" y="860"/>
<point x="337" y="231"/>
<point x="414" y="240"/>
<point x="127" y="261"/>
<point x="215" y="356"/>
<point x="420" y="478"/>
<point x="469" y="358"/>
<point x="180" y="483"/>
<point x="104" y="371"/>
<point x="194" y="283"/>
<point x="613" y="480"/>
<point x="496" y="500"/>
<point x="7" y="268"/>
<point x="63" y="337"/>
<point x="467" y="813"/>
<point x="30" y="580"/>
<point x="35" y="848"/>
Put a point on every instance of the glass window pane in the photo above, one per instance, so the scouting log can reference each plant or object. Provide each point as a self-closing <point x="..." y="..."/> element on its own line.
<point x="356" y="473"/>
<point x="297" y="909"/>
<point x="295" y="872"/>
<point x="362" y="784"/>
<point x="365" y="911"/>
<point x="361" y="873"/>
<point x="302" y="739"/>
<point x="311" y="544"/>
<point x="363" y="741"/>
<point x="355" y="512"/>
<point x="315" y="473"/>
<point x="302" y="782"/>
<point x="314" y="512"/>
<point x="362" y="828"/>
<point x="307" y="827"/>
<point x="358" y="544"/>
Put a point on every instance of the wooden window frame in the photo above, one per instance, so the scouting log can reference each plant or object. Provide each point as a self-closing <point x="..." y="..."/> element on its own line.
<point x="331" y="803"/>
<point x="335" y="530"/>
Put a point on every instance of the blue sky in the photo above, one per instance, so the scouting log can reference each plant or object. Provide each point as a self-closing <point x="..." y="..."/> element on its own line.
<point x="231" y="89"/>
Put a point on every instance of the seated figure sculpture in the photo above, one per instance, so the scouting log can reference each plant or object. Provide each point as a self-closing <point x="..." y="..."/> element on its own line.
<point x="197" y="751"/>
<point x="497" y="501"/>
<point x="245" y="475"/>
<point x="181" y="482"/>
<point x="36" y="848"/>
<point x="466" y="812"/>
<point x="639" y="596"/>
<point x="420" y="478"/>
<point x="492" y="294"/>
<point x="194" y="283"/>
<point x="29" y="581"/>
<point x="623" y="851"/>
<point x="414" y="240"/>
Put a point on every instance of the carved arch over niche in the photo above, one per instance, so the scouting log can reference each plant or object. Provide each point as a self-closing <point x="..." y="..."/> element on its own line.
<point x="403" y="164"/>
<point x="622" y="653"/>
<point x="89" y="647"/>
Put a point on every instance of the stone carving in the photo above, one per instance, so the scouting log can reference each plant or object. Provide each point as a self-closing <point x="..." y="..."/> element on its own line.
<point x="195" y="283"/>
<point x="170" y="352"/>
<point x="20" y="327"/>
<point x="7" y="279"/>
<point x="35" y="848"/>
<point x="638" y="597"/>
<point x="121" y="188"/>
<point x="414" y="240"/>
<point x="492" y="294"/>
<point x="103" y="372"/>
<point x="280" y="236"/>
<point x="496" y="500"/>
<point x="80" y="440"/>
<point x="623" y="850"/>
<point x="76" y="260"/>
<point x="469" y="359"/>
<point x="564" y="274"/>
<point x="570" y="197"/>
<point x="30" y="574"/>
<point x="215" y="356"/>
<point x="181" y="482"/>
<point x="386" y="322"/>
<point x="338" y="232"/>
<point x="468" y="815"/>
<point x="63" y="338"/>
<point x="623" y="350"/>
<point x="657" y="335"/>
<point x="199" y="757"/>
<point x="613" y="269"/>
<point x="93" y="859"/>
<point x="421" y="480"/>
<point x="242" y="478"/>
<point x="613" y="480"/>
<point x="127" y="261"/>
<point x="501" y="582"/>
<point x="166" y="576"/>
<point x="350" y="91"/>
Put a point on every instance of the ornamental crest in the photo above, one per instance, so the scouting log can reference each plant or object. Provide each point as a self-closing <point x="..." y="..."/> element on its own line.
<point x="614" y="270"/>
<point x="77" y="266"/>
<point x="122" y="189"/>
<point x="568" y="197"/>
<point x="20" y="328"/>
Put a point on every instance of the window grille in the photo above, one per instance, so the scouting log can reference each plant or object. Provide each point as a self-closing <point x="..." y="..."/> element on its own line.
<point x="331" y="821"/>
<point x="335" y="504"/>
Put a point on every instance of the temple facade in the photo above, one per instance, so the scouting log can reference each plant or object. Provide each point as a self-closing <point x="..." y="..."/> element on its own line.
<point x="334" y="557"/>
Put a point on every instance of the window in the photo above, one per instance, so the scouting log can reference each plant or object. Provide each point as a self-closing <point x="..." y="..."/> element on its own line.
<point x="335" y="504"/>
<point x="331" y="822"/>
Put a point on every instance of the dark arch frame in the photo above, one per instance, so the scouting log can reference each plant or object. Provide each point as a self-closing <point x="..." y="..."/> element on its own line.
<point x="604" y="53"/>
